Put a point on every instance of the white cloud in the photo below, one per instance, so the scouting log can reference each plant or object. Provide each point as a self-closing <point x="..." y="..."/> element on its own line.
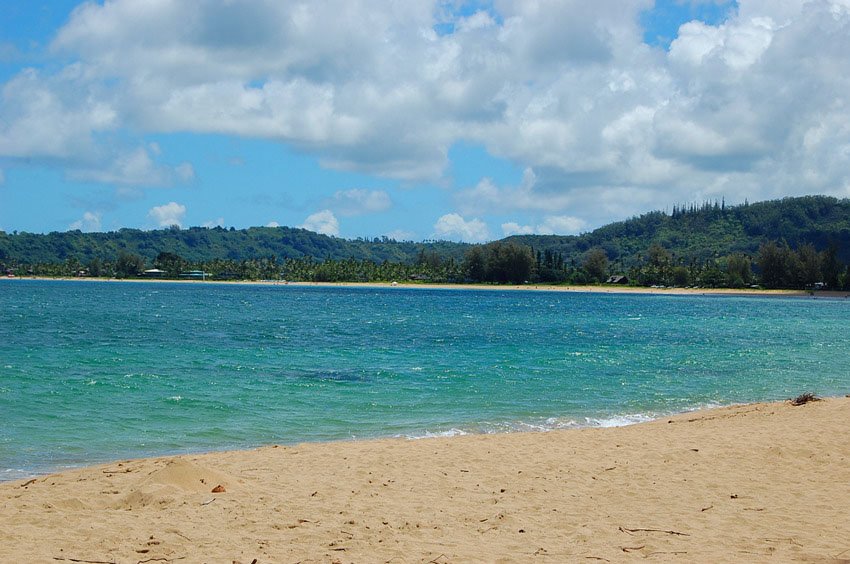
<point x="134" y="168"/>
<point x="551" y="225"/>
<point x="89" y="222"/>
<point x="185" y="172"/>
<point x="168" y="214"/>
<point x="739" y="45"/>
<point x="273" y="224"/>
<point x="453" y="226"/>
<point x="401" y="235"/>
<point x="561" y="225"/>
<point x="488" y="197"/>
<point x="514" y="228"/>
<point x="359" y="202"/>
<point x="752" y="107"/>
<point x="218" y="222"/>
<point x="324" y="222"/>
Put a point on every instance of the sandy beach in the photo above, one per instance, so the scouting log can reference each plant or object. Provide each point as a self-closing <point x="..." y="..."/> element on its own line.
<point x="761" y="482"/>
<point x="596" y="289"/>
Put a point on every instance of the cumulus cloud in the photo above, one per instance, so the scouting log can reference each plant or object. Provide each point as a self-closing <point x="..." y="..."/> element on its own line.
<point x="486" y="196"/>
<point x="273" y="224"/>
<point x="168" y="214"/>
<point x="401" y="235"/>
<point x="551" y="225"/>
<point x="453" y="226"/>
<point x="751" y="107"/>
<point x="135" y="168"/>
<point x="185" y="172"/>
<point x="324" y="222"/>
<point x="218" y="222"/>
<point x="359" y="202"/>
<point x="89" y="222"/>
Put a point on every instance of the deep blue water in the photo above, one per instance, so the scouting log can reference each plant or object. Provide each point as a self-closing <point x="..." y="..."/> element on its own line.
<point x="94" y="371"/>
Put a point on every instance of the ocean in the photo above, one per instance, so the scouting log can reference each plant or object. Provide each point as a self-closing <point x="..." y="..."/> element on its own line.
<point x="97" y="371"/>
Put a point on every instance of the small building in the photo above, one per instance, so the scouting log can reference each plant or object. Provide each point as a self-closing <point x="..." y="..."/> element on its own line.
<point x="154" y="273"/>
<point x="617" y="280"/>
<point x="194" y="275"/>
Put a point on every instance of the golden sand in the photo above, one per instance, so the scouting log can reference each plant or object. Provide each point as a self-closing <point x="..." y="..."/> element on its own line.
<point x="595" y="289"/>
<point x="762" y="482"/>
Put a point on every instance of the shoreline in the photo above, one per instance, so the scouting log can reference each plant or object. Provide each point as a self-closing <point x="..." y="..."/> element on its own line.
<point x="612" y="421"/>
<point x="589" y="289"/>
<point x="752" y="482"/>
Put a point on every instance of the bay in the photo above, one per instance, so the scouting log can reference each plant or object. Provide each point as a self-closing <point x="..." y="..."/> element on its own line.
<point x="95" y="371"/>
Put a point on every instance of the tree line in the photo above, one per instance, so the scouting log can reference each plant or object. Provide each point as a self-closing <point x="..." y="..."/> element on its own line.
<point x="776" y="265"/>
<point x="790" y="243"/>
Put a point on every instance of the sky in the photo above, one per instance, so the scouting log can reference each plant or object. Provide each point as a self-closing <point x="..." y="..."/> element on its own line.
<point x="414" y="119"/>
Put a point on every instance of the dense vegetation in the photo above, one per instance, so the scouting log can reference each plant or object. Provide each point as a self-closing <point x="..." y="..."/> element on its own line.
<point x="789" y="243"/>
<point x="701" y="233"/>
<point x="201" y="244"/>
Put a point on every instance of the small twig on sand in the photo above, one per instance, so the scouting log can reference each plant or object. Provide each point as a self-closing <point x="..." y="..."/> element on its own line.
<point x="641" y="530"/>
<point x="633" y="548"/>
<point x="160" y="560"/>
<point x="209" y="501"/>
<point x="434" y="561"/>
<point x="85" y="561"/>
<point x="789" y="540"/>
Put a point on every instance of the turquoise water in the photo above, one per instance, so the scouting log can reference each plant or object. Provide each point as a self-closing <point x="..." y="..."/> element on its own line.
<point x="94" y="371"/>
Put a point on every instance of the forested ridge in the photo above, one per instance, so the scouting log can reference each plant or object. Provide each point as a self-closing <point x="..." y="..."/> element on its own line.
<point x="793" y="242"/>
<point x="702" y="232"/>
<point x="202" y="244"/>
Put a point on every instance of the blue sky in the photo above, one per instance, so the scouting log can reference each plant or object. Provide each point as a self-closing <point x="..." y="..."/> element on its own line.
<point x="442" y="119"/>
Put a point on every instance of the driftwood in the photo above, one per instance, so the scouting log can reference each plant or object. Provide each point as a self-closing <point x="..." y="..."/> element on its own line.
<point x="642" y="530"/>
<point x="803" y="399"/>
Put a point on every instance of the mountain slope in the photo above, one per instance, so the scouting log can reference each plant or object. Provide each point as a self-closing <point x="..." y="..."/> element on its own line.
<point x="701" y="233"/>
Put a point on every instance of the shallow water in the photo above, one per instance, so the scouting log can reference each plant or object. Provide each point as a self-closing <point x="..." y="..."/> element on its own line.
<point x="94" y="371"/>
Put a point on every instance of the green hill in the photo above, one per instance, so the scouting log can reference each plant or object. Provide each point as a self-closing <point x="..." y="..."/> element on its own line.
<point x="701" y="233"/>
<point x="200" y="244"/>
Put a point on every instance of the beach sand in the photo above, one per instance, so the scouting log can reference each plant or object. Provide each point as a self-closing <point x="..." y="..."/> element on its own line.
<point x="761" y="482"/>
<point x="404" y="285"/>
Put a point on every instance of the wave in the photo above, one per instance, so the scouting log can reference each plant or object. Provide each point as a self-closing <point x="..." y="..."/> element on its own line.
<point x="552" y="424"/>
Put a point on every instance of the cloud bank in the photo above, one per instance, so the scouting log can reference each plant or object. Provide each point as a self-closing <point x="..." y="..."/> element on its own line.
<point x="757" y="106"/>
